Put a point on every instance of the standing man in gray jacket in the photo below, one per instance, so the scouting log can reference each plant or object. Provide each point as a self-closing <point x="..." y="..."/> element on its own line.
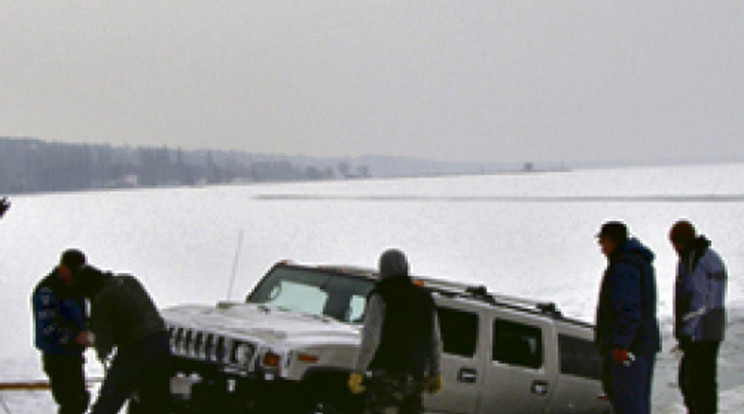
<point x="123" y="316"/>
<point x="401" y="343"/>
<point x="699" y="316"/>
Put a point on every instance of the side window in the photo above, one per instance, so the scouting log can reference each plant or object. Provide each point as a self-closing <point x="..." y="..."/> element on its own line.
<point x="355" y="314"/>
<point x="579" y="357"/>
<point x="459" y="331"/>
<point x="517" y="344"/>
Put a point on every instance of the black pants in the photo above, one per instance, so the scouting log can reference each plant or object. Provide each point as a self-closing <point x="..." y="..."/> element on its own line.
<point x="698" y="374"/>
<point x="67" y="381"/>
<point x="142" y="368"/>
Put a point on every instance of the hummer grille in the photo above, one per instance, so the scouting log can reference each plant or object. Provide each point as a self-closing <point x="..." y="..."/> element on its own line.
<point x="210" y="347"/>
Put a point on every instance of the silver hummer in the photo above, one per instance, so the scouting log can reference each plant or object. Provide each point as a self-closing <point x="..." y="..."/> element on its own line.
<point x="291" y="345"/>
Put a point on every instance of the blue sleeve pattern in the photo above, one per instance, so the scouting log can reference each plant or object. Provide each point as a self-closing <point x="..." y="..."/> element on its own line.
<point x="58" y="322"/>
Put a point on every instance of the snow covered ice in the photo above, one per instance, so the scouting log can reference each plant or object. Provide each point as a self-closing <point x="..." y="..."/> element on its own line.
<point x="528" y="235"/>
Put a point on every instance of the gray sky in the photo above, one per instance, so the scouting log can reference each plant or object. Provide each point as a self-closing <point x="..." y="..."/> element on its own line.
<point x="464" y="80"/>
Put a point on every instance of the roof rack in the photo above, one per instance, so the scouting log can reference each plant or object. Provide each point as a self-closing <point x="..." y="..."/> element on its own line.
<point x="359" y="270"/>
<point x="481" y="293"/>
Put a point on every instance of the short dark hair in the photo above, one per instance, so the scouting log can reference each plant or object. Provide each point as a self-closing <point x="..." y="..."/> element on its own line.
<point x="616" y="231"/>
<point x="682" y="232"/>
<point x="89" y="280"/>
<point x="72" y="259"/>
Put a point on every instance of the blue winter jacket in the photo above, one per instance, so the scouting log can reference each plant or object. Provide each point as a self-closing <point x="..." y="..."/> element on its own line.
<point x="700" y="293"/>
<point x="59" y="316"/>
<point x="626" y="312"/>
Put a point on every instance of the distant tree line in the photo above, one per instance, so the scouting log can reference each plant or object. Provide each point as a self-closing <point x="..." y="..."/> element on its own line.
<point x="32" y="165"/>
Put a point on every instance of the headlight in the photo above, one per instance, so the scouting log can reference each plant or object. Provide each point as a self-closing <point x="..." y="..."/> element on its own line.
<point x="272" y="363"/>
<point x="243" y="354"/>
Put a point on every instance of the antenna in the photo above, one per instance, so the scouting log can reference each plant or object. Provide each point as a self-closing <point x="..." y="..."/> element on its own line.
<point x="235" y="264"/>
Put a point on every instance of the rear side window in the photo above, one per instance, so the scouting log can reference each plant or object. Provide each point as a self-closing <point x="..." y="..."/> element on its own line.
<point x="517" y="344"/>
<point x="579" y="357"/>
<point x="459" y="331"/>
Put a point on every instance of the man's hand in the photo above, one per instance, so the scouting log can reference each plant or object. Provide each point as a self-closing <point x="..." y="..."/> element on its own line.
<point x="85" y="338"/>
<point x="4" y="205"/>
<point x="677" y="352"/>
<point x="434" y="385"/>
<point x="355" y="383"/>
<point x="622" y="357"/>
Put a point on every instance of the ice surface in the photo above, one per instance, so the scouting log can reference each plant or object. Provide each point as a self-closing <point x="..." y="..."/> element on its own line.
<point x="525" y="234"/>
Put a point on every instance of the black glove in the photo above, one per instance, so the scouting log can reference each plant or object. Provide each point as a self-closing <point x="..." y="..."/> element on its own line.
<point x="4" y="205"/>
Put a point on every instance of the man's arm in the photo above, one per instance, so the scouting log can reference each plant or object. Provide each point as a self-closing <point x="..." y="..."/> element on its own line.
<point x="49" y="323"/>
<point x="436" y="348"/>
<point x="371" y="333"/>
<point x="625" y="295"/>
<point x="101" y="327"/>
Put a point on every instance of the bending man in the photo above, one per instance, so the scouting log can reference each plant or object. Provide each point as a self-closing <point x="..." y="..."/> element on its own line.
<point x="124" y="316"/>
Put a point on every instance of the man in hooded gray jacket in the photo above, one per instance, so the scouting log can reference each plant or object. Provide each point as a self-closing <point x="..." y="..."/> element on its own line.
<point x="699" y="316"/>
<point x="401" y="343"/>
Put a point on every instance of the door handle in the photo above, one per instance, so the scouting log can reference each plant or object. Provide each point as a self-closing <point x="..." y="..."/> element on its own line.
<point x="467" y="376"/>
<point x="540" y="388"/>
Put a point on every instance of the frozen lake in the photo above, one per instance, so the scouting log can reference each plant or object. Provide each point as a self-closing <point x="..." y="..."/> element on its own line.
<point x="523" y="234"/>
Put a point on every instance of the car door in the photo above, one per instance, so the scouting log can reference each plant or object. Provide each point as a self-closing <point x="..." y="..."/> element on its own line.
<point x="461" y="364"/>
<point x="519" y="373"/>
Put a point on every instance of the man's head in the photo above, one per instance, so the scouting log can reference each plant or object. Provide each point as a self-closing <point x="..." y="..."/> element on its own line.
<point x="89" y="280"/>
<point x="681" y="235"/>
<point x="612" y="235"/>
<point x="69" y="263"/>
<point x="393" y="263"/>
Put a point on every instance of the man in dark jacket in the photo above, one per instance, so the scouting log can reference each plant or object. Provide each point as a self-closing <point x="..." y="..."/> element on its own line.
<point x="60" y="334"/>
<point x="699" y="316"/>
<point x="401" y="343"/>
<point x="627" y="330"/>
<point x="124" y="316"/>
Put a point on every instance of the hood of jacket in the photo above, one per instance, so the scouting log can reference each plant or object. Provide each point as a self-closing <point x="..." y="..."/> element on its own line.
<point x="634" y="247"/>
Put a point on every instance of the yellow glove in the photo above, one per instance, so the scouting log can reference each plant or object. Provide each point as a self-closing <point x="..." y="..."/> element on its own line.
<point x="434" y="384"/>
<point x="355" y="383"/>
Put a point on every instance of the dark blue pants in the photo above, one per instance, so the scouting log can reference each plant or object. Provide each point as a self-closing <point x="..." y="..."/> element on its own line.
<point x="698" y="372"/>
<point x="67" y="381"/>
<point x="142" y="368"/>
<point x="629" y="387"/>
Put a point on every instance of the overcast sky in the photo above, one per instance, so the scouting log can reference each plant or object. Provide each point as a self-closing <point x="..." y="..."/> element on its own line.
<point x="463" y="80"/>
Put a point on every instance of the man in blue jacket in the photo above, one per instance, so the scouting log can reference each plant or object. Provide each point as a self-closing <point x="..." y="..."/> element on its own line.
<point x="61" y="336"/>
<point x="699" y="316"/>
<point x="627" y="330"/>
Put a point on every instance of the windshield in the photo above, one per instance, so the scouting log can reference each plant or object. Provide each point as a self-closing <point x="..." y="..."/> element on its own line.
<point x="315" y="292"/>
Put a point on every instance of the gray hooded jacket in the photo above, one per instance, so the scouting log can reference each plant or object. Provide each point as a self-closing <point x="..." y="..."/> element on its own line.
<point x="700" y="294"/>
<point x="392" y="264"/>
